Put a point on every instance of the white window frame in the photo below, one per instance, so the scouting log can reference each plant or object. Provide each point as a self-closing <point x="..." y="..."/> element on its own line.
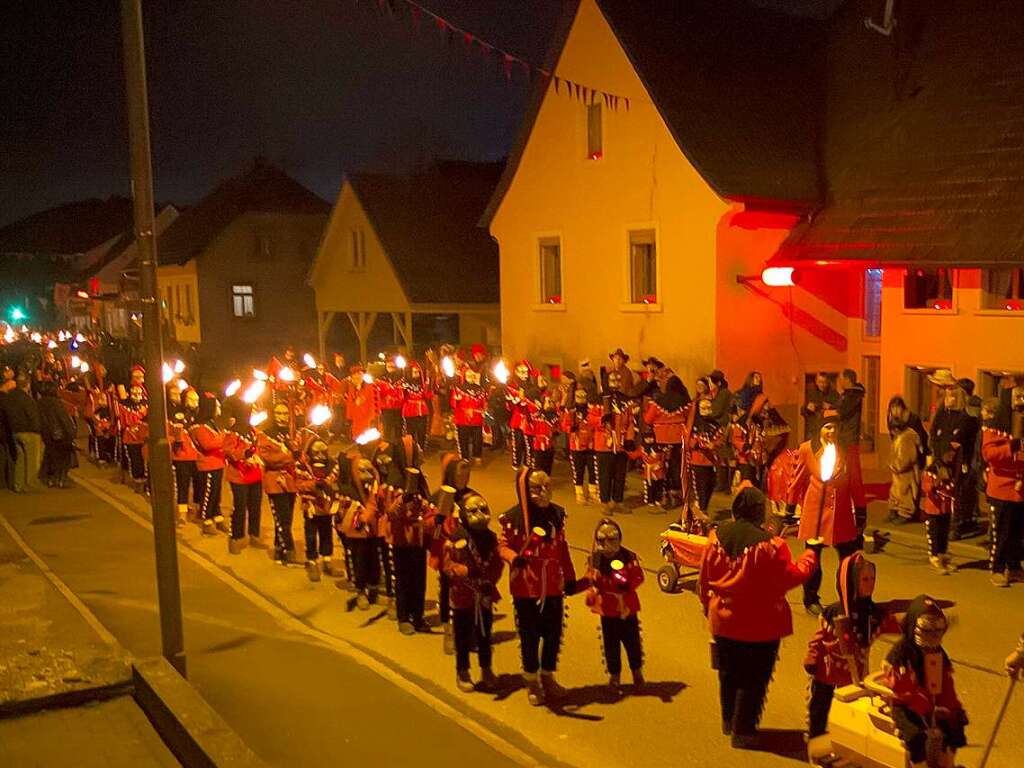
<point x="536" y="242"/>
<point x="627" y="304"/>
<point x="241" y="296"/>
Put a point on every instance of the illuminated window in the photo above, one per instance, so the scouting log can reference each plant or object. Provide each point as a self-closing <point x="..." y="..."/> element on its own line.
<point x="928" y="288"/>
<point x="1003" y="288"/>
<point x="243" y="301"/>
<point x="643" y="267"/>
<point x="872" y="303"/>
<point x="357" y="250"/>
<point x="595" y="140"/>
<point x="549" y="252"/>
<point x="188" y="301"/>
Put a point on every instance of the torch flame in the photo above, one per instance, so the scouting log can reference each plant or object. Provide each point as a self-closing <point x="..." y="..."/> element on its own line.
<point x="828" y="462"/>
<point x="182" y="385"/>
<point x="168" y="372"/>
<point x="400" y="362"/>
<point x="179" y="367"/>
<point x="448" y="366"/>
<point x="286" y="374"/>
<point x="253" y="391"/>
<point x="37" y="337"/>
<point x="76" y="361"/>
<point x="309" y="360"/>
<point x="9" y="335"/>
<point x="51" y="344"/>
<point x="259" y="375"/>
<point x="367" y="378"/>
<point x="257" y="418"/>
<point x="85" y="367"/>
<point x="368" y="436"/>
<point x="501" y="372"/>
<point x="320" y="414"/>
<point x="79" y="338"/>
<point x="232" y="388"/>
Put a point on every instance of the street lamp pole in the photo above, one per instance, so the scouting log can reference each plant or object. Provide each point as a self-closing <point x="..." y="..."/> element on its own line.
<point x="160" y="481"/>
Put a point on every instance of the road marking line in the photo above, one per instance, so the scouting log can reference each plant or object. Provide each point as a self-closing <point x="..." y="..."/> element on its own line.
<point x="339" y="645"/>
<point x="64" y="589"/>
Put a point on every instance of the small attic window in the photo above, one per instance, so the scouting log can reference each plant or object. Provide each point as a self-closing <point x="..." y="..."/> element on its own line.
<point x="595" y="139"/>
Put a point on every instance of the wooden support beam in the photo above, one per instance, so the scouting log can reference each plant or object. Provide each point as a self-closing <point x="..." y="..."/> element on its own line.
<point x="323" y="325"/>
<point x="362" y="322"/>
<point x="403" y="327"/>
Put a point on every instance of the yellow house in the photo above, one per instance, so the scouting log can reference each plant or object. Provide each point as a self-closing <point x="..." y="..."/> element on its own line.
<point x="632" y="154"/>
<point x="405" y="250"/>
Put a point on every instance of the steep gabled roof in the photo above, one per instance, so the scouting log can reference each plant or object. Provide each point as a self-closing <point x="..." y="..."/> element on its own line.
<point x="68" y="229"/>
<point x="738" y="86"/>
<point x="427" y="224"/>
<point x="262" y="189"/>
<point x="925" y="141"/>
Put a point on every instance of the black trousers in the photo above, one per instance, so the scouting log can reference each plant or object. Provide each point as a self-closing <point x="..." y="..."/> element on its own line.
<point x="209" y="507"/>
<point x="913" y="732"/>
<point x="184" y="476"/>
<point x="282" y="505"/>
<point x="106" y="447"/>
<point x="543" y="460"/>
<point x="410" y="582"/>
<point x="386" y="555"/>
<point x="319" y="536"/>
<point x="417" y="427"/>
<point x="136" y="461"/>
<point x="751" y="473"/>
<point x="520" y="449"/>
<point x="818" y="706"/>
<point x="391" y="424"/>
<point x="744" y="671"/>
<point x="540" y="632"/>
<point x="246" y="499"/>
<point x="365" y="563"/>
<point x="582" y="463"/>
<point x="444" y="605"/>
<point x="704" y="479"/>
<point x="654" y="491"/>
<point x="467" y="630"/>
<point x="1007" y="535"/>
<point x="617" y="634"/>
<point x="674" y="472"/>
<point x="812" y="586"/>
<point x="471" y="441"/>
<point x="611" y="475"/>
<point x="966" y="510"/>
<point x="937" y="528"/>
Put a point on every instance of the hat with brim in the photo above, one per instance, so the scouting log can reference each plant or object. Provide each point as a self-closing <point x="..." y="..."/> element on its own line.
<point x="653" y="361"/>
<point x="618" y="352"/>
<point x="944" y="378"/>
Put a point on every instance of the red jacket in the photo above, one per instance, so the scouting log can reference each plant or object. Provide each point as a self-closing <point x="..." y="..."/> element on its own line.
<point x="471" y="576"/>
<point x="1005" y="466"/>
<point x="908" y="692"/>
<point x="669" y="426"/>
<point x="838" y="524"/>
<point x="134" y="429"/>
<point x="744" y="597"/>
<point x="468" y="405"/>
<point x="546" y="562"/>
<point x="278" y="463"/>
<point x="613" y="593"/>
<point x="580" y="429"/>
<point x="703" y="445"/>
<point x="182" y="448"/>
<point x="390" y="394"/>
<point x="825" y="660"/>
<point x="612" y="433"/>
<point x="209" y="441"/>
<point x="407" y="522"/>
<point x="242" y="466"/>
<point x="416" y="400"/>
<point x="542" y="431"/>
<point x="360" y="407"/>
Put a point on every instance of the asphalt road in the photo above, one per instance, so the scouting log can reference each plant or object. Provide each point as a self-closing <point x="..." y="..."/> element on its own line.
<point x="302" y="678"/>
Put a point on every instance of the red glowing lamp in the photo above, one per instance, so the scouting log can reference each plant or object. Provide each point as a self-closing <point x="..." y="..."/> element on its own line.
<point x="596" y="155"/>
<point x="942" y="304"/>
<point x="649" y="298"/>
<point x="778" y="277"/>
<point x="1014" y="305"/>
<point x="554" y="300"/>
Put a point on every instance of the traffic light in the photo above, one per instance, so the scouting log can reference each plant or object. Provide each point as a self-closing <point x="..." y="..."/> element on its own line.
<point x="17" y="314"/>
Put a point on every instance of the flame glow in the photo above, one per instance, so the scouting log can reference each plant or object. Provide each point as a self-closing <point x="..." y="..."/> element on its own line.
<point x="286" y="374"/>
<point x="501" y="372"/>
<point x="76" y="361"/>
<point x="828" y="462"/>
<point x="368" y="436"/>
<point x="232" y="388"/>
<point x="168" y="372"/>
<point x="367" y="378"/>
<point x="253" y="391"/>
<point x="257" y="418"/>
<point x="400" y="362"/>
<point x="259" y="375"/>
<point x="320" y="414"/>
<point x="9" y="335"/>
<point x="448" y="366"/>
<point x="51" y="344"/>
<point x="179" y="367"/>
<point x="182" y="385"/>
<point x="79" y="338"/>
<point x="84" y="367"/>
<point x="37" y="337"/>
<point x="309" y="360"/>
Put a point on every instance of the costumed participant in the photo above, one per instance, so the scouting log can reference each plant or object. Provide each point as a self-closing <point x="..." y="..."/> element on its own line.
<point x="953" y="425"/>
<point x="838" y="653"/>
<point x="360" y="401"/>
<point x="611" y="580"/>
<point x="619" y="364"/>
<point x="753" y="386"/>
<point x="578" y="425"/>
<point x="184" y="453"/>
<point x="653" y="461"/>
<point x="390" y="397"/>
<point x="416" y="398"/>
<point x="904" y="455"/>
<point x="821" y="485"/>
<point x="1001" y="448"/>
<point x="208" y="439"/>
<point x="939" y="494"/>
<point x="521" y="393"/>
<point x="668" y="414"/>
<point x="929" y="717"/>
<point x="407" y="518"/>
<point x="613" y="438"/>
<point x="455" y="472"/>
<point x="721" y="412"/>
<point x="316" y="481"/>
<point x="703" y="454"/>
<point x="473" y="565"/>
<point x="758" y="436"/>
<point x="534" y="544"/>
<point x="244" y="474"/>
<point x="469" y="402"/>
<point x="543" y="429"/>
<point x="744" y="577"/>
<point x="131" y="417"/>
<point x="103" y="432"/>
<point x="360" y="486"/>
<point x="851" y="401"/>
<point x="274" y="446"/>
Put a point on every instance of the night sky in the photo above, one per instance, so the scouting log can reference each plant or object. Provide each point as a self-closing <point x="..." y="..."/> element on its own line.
<point x="316" y="86"/>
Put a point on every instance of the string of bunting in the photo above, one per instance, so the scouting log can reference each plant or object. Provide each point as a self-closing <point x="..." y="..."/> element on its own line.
<point x="509" y="63"/>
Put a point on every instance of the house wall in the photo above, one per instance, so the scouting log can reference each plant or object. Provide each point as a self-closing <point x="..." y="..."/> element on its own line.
<point x="641" y="181"/>
<point x="339" y="287"/>
<point x="284" y="303"/>
<point x="179" y="299"/>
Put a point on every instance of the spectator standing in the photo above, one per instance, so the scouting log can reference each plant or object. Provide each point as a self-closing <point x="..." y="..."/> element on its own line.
<point x="58" y="436"/>
<point x="821" y="397"/>
<point x="904" y="455"/>
<point x="23" y="419"/>
<point x="851" y="402"/>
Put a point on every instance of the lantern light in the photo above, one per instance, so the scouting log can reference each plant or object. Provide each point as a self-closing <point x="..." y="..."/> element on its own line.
<point x="259" y="375"/>
<point x="82" y="294"/>
<point x="76" y="361"/>
<point x="257" y="418"/>
<point x="367" y="378"/>
<point x="179" y="367"/>
<point x="320" y="414"/>
<point x="286" y="374"/>
<point x="778" y="277"/>
<point x="309" y="360"/>
<point x="51" y="344"/>
<point x="9" y="335"/>
<point x="253" y="391"/>
<point x="368" y="436"/>
<point x="400" y="362"/>
<point x="182" y="385"/>
<point x="232" y="388"/>
<point x="84" y="368"/>
<point x="167" y="372"/>
<point x="448" y="366"/>
<point x="828" y="462"/>
<point x="79" y="338"/>
<point x="36" y="337"/>
<point x="501" y="372"/>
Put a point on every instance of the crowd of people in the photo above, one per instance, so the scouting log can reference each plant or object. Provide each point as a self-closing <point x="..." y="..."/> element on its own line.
<point x="371" y="519"/>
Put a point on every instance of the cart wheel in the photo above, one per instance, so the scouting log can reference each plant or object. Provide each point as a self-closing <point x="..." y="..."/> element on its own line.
<point x="668" y="577"/>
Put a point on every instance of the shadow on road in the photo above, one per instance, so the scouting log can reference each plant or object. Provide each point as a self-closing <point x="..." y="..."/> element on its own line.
<point x="782" y="742"/>
<point x="576" y="699"/>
